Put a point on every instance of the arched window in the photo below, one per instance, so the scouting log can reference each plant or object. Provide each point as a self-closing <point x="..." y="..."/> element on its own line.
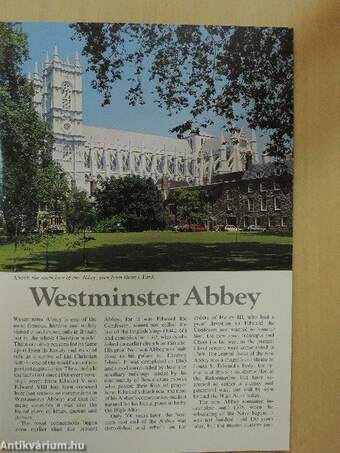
<point x="113" y="162"/>
<point x="160" y="164"/>
<point x="67" y="153"/>
<point x="87" y="159"/>
<point x="66" y="95"/>
<point x="100" y="160"/>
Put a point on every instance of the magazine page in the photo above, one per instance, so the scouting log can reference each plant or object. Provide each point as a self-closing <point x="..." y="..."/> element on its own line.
<point x="170" y="362"/>
<point x="146" y="237"/>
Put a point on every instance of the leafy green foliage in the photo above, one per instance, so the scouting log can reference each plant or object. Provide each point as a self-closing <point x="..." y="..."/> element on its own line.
<point x="207" y="70"/>
<point x="189" y="205"/>
<point x="136" y="201"/>
<point x="112" y="224"/>
<point x="30" y="176"/>
<point x="79" y="211"/>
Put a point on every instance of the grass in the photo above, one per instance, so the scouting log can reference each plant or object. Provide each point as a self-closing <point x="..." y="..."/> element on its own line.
<point x="155" y="251"/>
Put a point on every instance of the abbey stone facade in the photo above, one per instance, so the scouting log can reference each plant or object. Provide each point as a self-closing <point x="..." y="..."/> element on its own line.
<point x="89" y="154"/>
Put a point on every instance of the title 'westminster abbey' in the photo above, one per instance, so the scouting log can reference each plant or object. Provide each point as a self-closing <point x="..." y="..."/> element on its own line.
<point x="88" y="153"/>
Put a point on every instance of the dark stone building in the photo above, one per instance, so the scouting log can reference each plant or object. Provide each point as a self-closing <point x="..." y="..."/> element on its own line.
<point x="261" y="196"/>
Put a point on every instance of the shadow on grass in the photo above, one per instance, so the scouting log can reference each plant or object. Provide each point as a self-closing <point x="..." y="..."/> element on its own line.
<point x="154" y="257"/>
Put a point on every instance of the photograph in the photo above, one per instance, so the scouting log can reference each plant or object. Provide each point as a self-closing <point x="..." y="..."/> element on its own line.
<point x="145" y="147"/>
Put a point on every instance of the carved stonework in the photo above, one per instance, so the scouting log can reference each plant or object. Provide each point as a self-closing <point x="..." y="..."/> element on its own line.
<point x="92" y="150"/>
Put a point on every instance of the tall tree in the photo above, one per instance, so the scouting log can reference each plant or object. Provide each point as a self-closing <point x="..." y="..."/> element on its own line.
<point x="79" y="211"/>
<point x="207" y="70"/>
<point x="26" y="142"/>
<point x="190" y="205"/>
<point x="136" y="200"/>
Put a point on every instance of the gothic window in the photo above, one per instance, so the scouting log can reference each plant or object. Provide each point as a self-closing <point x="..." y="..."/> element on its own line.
<point x="171" y="165"/>
<point x="138" y="162"/>
<point x="87" y="159"/>
<point x="148" y="162"/>
<point x="67" y="153"/>
<point x="160" y="164"/>
<point x="191" y="167"/>
<point x="207" y="166"/>
<point x="217" y="163"/>
<point x="66" y="95"/>
<point x="113" y="162"/>
<point x="126" y="162"/>
<point x="100" y="160"/>
<point x="230" y="162"/>
<point x="181" y="166"/>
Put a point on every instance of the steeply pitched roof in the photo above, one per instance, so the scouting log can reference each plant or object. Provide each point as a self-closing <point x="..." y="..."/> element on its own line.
<point x="228" y="177"/>
<point x="125" y="139"/>
<point x="265" y="170"/>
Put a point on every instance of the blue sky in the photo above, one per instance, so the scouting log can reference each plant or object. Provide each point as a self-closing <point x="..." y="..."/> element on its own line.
<point x="42" y="36"/>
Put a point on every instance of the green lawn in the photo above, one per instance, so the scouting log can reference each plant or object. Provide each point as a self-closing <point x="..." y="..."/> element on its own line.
<point x="155" y="251"/>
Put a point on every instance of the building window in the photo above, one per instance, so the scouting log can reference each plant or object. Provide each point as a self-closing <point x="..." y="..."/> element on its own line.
<point x="100" y="160"/>
<point x="276" y="186"/>
<point x="87" y="159"/>
<point x="250" y="188"/>
<point x="271" y="221"/>
<point x="66" y="95"/>
<point x="263" y="204"/>
<point x="148" y="162"/>
<point x="277" y="204"/>
<point x="278" y="171"/>
<point x="67" y="153"/>
<point x="92" y="187"/>
<point x="191" y="166"/>
<point x="229" y="207"/>
<point x="284" y="221"/>
<point x="126" y="161"/>
<point x="250" y="204"/>
<point x="160" y="163"/>
<point x="138" y="162"/>
<point x="180" y="166"/>
<point x="113" y="162"/>
<point x="262" y="187"/>
<point x="171" y="165"/>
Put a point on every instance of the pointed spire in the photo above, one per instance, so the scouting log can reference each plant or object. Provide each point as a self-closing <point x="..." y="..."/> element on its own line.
<point x="46" y="57"/>
<point x="55" y="53"/>
<point x="36" y="71"/>
<point x="253" y="146"/>
<point x="77" y="58"/>
<point x="253" y="135"/>
<point x="29" y="77"/>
